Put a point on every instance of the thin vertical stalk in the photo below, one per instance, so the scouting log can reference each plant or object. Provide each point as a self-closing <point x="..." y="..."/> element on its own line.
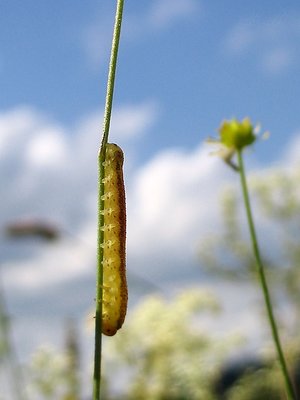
<point x="100" y="234"/>
<point x="17" y="379"/>
<point x="112" y="75"/>
<point x="263" y="281"/>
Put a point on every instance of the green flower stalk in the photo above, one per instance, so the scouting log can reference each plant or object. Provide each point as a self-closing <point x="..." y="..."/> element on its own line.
<point x="101" y="160"/>
<point x="234" y="137"/>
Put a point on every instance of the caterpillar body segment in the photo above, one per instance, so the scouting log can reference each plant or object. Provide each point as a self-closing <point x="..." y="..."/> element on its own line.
<point x="115" y="294"/>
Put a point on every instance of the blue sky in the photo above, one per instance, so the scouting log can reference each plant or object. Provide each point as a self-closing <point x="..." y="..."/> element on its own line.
<point x="198" y="62"/>
<point x="184" y="66"/>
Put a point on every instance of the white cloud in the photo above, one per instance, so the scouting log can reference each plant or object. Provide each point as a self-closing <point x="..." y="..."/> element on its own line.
<point x="52" y="265"/>
<point x="165" y="12"/>
<point x="128" y="122"/>
<point x="131" y="121"/>
<point x="291" y="155"/>
<point x="47" y="173"/>
<point x="172" y="203"/>
<point x="240" y="38"/>
<point x="277" y="60"/>
<point x="96" y="42"/>
<point x="15" y="127"/>
<point x="272" y="43"/>
<point x="47" y="148"/>
<point x="172" y="199"/>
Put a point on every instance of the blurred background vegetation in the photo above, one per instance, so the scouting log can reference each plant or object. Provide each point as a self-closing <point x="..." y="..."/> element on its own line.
<point x="165" y="350"/>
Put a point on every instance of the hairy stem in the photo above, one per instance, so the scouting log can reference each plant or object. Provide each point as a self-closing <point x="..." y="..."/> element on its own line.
<point x="263" y="281"/>
<point x="100" y="234"/>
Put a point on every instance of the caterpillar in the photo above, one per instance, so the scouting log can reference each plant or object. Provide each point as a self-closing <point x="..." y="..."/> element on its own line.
<point x="115" y="293"/>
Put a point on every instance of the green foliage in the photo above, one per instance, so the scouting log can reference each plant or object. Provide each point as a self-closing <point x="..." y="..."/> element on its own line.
<point x="170" y="355"/>
<point x="4" y="348"/>
<point x="277" y="198"/>
<point x="262" y="384"/>
<point x="228" y="253"/>
<point x="266" y="382"/>
<point x="53" y="375"/>
<point x="48" y="374"/>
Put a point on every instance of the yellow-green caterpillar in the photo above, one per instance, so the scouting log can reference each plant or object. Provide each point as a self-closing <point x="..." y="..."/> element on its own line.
<point x="115" y="292"/>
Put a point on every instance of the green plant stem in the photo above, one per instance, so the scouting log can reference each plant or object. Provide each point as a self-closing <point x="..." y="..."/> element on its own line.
<point x="100" y="233"/>
<point x="111" y="75"/>
<point x="10" y="356"/>
<point x="263" y="280"/>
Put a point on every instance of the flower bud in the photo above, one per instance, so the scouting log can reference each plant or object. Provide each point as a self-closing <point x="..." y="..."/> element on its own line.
<point x="237" y="135"/>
